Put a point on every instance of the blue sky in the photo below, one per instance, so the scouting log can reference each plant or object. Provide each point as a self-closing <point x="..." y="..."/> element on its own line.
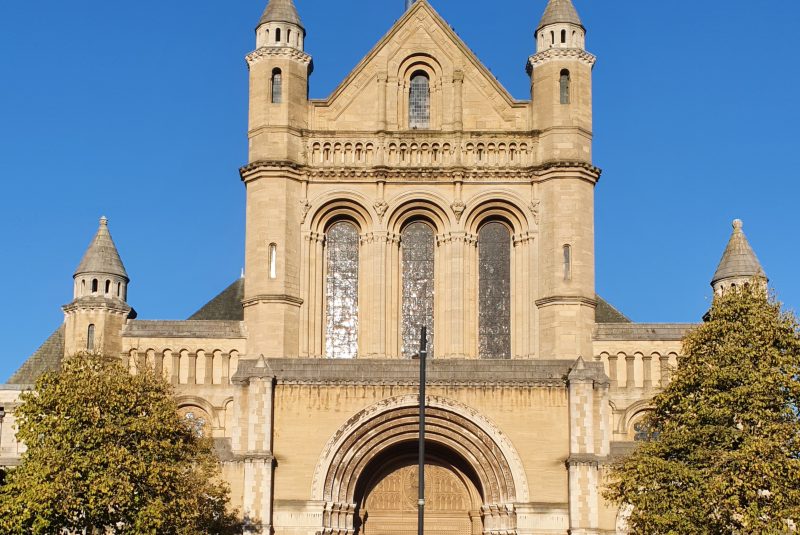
<point x="137" y="111"/>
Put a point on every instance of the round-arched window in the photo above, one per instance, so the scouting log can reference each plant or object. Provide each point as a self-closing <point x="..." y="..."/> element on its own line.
<point x="419" y="101"/>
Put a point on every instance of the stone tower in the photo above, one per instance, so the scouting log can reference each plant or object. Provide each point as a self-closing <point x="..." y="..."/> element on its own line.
<point x="561" y="93"/>
<point x="279" y="71"/>
<point x="97" y="313"/>
<point x="739" y="264"/>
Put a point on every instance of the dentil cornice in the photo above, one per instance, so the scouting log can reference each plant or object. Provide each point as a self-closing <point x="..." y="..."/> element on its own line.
<point x="560" y="53"/>
<point x="285" y="52"/>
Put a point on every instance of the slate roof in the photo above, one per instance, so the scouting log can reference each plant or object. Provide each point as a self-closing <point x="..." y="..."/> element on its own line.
<point x="102" y="255"/>
<point x="559" y="11"/>
<point x="607" y="313"/>
<point x="225" y="306"/>
<point x="738" y="260"/>
<point x="46" y="358"/>
<point x="281" y="11"/>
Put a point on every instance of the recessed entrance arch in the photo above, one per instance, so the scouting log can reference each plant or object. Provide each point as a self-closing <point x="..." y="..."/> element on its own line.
<point x="355" y="465"/>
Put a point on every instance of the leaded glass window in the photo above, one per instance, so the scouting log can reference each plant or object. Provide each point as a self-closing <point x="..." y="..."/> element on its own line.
<point x="419" y="101"/>
<point x="277" y="86"/>
<point x="564" y="86"/>
<point x="90" y="338"/>
<point x="494" y="293"/>
<point x="341" y="291"/>
<point x="418" y="247"/>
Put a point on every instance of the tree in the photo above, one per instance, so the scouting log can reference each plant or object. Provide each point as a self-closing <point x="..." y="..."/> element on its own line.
<point x="108" y="453"/>
<point x="725" y="454"/>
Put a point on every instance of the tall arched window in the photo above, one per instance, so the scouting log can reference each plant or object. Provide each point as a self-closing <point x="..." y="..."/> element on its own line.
<point x="94" y="286"/>
<point x="417" y="243"/>
<point x="494" y="292"/>
<point x="341" y="291"/>
<point x="567" y="262"/>
<point x="277" y="35"/>
<point x="563" y="36"/>
<point x="277" y="86"/>
<point x="108" y="287"/>
<point x="564" y="86"/>
<point x="90" y="338"/>
<point x="419" y="101"/>
<point x="273" y="261"/>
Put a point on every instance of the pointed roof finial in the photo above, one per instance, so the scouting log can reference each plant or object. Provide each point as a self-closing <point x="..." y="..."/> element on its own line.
<point x="560" y="11"/>
<point x="409" y="3"/>
<point x="102" y="255"/>
<point x="281" y="11"/>
<point x="738" y="261"/>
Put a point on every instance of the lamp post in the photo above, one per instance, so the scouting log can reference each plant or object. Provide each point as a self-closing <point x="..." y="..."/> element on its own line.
<point x="423" y="355"/>
<point x="2" y="417"/>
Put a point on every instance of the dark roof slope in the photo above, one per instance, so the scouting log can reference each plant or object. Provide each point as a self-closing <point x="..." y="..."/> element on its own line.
<point x="606" y="313"/>
<point x="47" y="358"/>
<point x="225" y="306"/>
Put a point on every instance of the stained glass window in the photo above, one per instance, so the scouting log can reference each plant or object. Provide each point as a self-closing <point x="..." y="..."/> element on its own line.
<point x="341" y="244"/>
<point x="494" y="293"/>
<point x="419" y="101"/>
<point x="417" y="243"/>
<point x="277" y="86"/>
<point x="564" y="86"/>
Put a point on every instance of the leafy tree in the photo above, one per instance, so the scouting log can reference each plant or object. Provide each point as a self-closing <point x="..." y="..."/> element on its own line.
<point x="724" y="459"/>
<point x="108" y="453"/>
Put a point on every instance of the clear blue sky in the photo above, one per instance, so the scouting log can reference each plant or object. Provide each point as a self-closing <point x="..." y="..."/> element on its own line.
<point x="137" y="111"/>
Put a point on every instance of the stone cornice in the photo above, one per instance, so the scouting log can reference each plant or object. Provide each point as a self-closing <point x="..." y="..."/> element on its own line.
<point x="97" y="303"/>
<point x="273" y="298"/>
<point x="543" y="172"/>
<point x="560" y="53"/>
<point x="586" y="459"/>
<point x="284" y="52"/>
<point x="565" y="300"/>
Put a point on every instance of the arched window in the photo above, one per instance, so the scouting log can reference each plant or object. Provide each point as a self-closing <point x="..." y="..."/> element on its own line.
<point x="419" y="101"/>
<point x="119" y="289"/>
<point x="552" y="38"/>
<point x="563" y="36"/>
<point x="273" y="261"/>
<point x="94" y="286"/>
<point x="417" y="244"/>
<point x="289" y="36"/>
<point x="277" y="86"/>
<point x="277" y="35"/>
<point x="108" y="287"/>
<point x="567" y="262"/>
<point x="83" y="286"/>
<point x="90" y="338"/>
<point x="341" y="291"/>
<point x="564" y="86"/>
<point x="494" y="291"/>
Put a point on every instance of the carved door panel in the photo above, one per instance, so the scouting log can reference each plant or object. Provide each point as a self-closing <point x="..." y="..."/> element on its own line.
<point x="391" y="506"/>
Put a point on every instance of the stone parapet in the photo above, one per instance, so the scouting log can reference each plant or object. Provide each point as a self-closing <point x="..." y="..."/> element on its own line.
<point x="641" y="331"/>
<point x="185" y="329"/>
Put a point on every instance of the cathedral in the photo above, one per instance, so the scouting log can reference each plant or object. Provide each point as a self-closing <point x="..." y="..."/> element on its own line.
<point x="419" y="193"/>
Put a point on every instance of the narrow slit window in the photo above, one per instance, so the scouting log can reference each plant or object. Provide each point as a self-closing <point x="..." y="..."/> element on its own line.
<point x="94" y="286"/>
<point x="277" y="86"/>
<point x="119" y="289"/>
<point x="108" y="287"/>
<point x="273" y="261"/>
<point x="419" y="101"/>
<point x="494" y="291"/>
<point x="552" y="38"/>
<point x="289" y="36"/>
<point x="341" y="291"/>
<point x="90" y="338"/>
<point x="563" y="37"/>
<point x="567" y="262"/>
<point x="564" y="86"/>
<point x="277" y="35"/>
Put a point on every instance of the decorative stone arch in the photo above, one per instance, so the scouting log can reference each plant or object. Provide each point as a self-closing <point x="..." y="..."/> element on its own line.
<point x="434" y="70"/>
<point x="343" y="204"/>
<point x="499" y="205"/>
<point x="187" y="401"/>
<point x="426" y="205"/>
<point x="635" y="411"/>
<point x="395" y="421"/>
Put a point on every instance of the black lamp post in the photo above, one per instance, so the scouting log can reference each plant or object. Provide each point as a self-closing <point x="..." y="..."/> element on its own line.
<point x="423" y="355"/>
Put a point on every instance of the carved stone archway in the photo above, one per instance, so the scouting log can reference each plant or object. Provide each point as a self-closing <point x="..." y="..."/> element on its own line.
<point x="451" y="427"/>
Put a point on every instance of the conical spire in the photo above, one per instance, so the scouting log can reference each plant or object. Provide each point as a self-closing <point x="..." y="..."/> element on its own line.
<point x="102" y="255"/>
<point x="738" y="261"/>
<point x="559" y="12"/>
<point x="281" y="11"/>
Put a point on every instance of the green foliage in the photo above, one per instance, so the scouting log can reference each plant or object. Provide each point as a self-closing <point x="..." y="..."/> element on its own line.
<point x="108" y="453"/>
<point x="725" y="460"/>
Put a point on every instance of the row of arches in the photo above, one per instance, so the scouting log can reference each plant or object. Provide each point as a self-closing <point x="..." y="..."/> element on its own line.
<point x="412" y="154"/>
<point x="639" y="370"/>
<point x="96" y="286"/>
<point x="185" y="367"/>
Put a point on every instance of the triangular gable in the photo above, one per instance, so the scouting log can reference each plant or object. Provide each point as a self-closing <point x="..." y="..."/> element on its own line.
<point x="421" y="23"/>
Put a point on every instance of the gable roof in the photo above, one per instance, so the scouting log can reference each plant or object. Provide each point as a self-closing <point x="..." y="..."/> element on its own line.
<point x="226" y="306"/>
<point x="607" y="313"/>
<point x="416" y="8"/>
<point x="47" y="358"/>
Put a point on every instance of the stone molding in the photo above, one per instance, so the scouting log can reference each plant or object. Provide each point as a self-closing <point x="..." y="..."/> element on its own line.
<point x="283" y="52"/>
<point x="114" y="306"/>
<point x="565" y="300"/>
<point x="184" y="329"/>
<point x="559" y="54"/>
<point x="641" y="331"/>
<point x="273" y="298"/>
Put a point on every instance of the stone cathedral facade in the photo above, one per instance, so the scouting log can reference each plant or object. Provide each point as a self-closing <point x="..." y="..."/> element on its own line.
<point x="419" y="193"/>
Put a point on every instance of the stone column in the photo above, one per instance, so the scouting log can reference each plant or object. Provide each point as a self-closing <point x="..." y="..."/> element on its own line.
<point x="176" y="368"/>
<point x="647" y="371"/>
<point x="192" y="376"/>
<point x="630" y="371"/>
<point x="458" y="106"/>
<point x="612" y="370"/>
<point x="583" y="463"/>
<point x="665" y="371"/>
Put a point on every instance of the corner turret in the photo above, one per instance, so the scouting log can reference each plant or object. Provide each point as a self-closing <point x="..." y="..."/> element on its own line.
<point x="99" y="309"/>
<point x="280" y="26"/>
<point x="560" y="27"/>
<point x="739" y="264"/>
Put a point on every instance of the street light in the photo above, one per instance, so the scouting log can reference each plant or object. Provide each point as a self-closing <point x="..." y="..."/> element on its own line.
<point x="423" y="355"/>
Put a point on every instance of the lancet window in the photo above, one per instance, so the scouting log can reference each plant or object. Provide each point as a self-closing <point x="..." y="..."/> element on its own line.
<point x="418" y="250"/>
<point x="341" y="243"/>
<point x="419" y="101"/>
<point x="494" y="292"/>
<point x="277" y="86"/>
<point x="564" y="86"/>
<point x="90" y="338"/>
